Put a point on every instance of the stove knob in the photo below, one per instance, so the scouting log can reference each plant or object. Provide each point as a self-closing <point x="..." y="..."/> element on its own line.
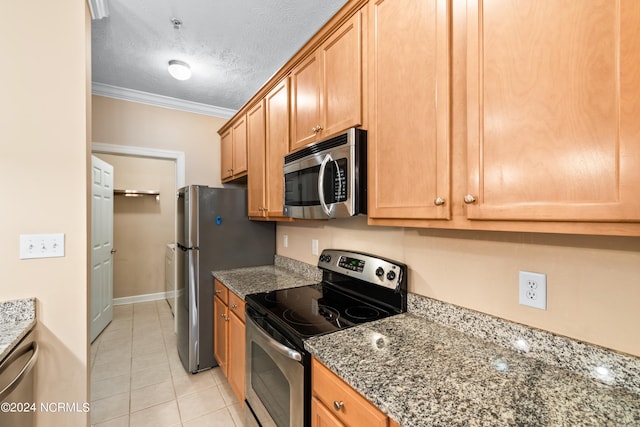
<point x="391" y="275"/>
<point x="327" y="258"/>
<point x="379" y="272"/>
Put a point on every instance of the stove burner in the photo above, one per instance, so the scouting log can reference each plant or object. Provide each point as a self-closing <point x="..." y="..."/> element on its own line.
<point x="362" y="312"/>
<point x="306" y="318"/>
<point x="274" y="297"/>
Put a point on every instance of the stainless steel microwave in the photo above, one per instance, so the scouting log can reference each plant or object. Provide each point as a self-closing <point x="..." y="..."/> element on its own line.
<point x="327" y="179"/>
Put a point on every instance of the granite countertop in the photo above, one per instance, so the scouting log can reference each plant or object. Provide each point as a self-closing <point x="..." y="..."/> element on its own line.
<point x="422" y="373"/>
<point x="17" y="319"/>
<point x="251" y="280"/>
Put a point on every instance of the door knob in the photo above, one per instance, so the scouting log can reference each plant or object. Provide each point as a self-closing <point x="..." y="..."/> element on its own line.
<point x="113" y="251"/>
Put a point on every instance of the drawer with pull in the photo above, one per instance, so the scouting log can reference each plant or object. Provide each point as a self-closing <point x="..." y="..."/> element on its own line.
<point x="236" y="305"/>
<point x="343" y="402"/>
<point x="221" y="291"/>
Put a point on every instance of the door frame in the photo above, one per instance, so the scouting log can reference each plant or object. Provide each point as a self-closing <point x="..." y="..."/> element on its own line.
<point x="153" y="153"/>
<point x="177" y="156"/>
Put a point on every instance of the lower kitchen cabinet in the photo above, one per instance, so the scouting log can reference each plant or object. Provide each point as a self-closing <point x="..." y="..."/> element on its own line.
<point x="229" y="339"/>
<point x="236" y="345"/>
<point x="220" y="328"/>
<point x="336" y="404"/>
<point x="322" y="416"/>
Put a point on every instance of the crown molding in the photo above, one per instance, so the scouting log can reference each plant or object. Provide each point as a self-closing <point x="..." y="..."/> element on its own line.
<point x="98" y="9"/>
<point x="133" y="95"/>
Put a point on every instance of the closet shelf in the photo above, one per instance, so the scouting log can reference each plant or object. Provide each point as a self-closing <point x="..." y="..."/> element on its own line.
<point x="137" y="193"/>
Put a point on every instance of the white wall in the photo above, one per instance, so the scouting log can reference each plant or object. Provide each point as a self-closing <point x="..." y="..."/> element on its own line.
<point x="44" y="108"/>
<point x="593" y="284"/>
<point x="138" y="125"/>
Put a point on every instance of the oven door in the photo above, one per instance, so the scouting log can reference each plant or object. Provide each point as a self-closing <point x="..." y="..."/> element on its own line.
<point x="275" y="376"/>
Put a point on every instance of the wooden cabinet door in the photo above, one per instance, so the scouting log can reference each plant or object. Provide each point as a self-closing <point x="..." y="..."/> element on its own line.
<point x="236" y="355"/>
<point x="321" y="416"/>
<point x="277" y="137"/>
<point x="354" y="409"/>
<point x="233" y="150"/>
<point x="240" y="146"/>
<point x="256" y="160"/>
<point x="226" y="155"/>
<point x="305" y="102"/>
<point x="221" y="334"/>
<point x="409" y="94"/>
<point x="326" y="88"/>
<point x="341" y="100"/>
<point x="553" y="110"/>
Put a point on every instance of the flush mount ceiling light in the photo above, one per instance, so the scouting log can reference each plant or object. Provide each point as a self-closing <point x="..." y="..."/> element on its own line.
<point x="179" y="70"/>
<point x="98" y="9"/>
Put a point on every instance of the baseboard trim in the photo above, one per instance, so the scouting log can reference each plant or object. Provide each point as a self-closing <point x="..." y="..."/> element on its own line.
<point x="140" y="298"/>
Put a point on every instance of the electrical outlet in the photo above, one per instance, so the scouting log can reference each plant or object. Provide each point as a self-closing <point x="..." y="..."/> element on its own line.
<point x="533" y="289"/>
<point x="285" y="241"/>
<point x="314" y="246"/>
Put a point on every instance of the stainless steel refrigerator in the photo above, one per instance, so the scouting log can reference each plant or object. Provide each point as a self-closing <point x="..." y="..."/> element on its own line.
<point x="214" y="233"/>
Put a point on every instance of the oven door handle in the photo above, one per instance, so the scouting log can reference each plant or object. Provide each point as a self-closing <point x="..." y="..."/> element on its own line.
<point x="280" y="348"/>
<point x="323" y="166"/>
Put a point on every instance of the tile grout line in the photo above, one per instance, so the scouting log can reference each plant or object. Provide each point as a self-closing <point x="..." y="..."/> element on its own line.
<point x="166" y="353"/>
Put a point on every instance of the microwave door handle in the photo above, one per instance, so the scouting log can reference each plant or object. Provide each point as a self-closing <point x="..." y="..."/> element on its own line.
<point x="323" y="166"/>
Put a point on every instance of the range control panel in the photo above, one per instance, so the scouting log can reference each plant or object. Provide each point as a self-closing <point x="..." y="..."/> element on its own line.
<point x="370" y="268"/>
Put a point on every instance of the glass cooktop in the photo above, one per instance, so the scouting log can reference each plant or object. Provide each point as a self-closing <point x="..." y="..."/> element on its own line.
<point x="315" y="309"/>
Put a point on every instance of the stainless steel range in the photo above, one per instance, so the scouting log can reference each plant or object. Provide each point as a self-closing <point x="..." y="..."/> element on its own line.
<point x="355" y="288"/>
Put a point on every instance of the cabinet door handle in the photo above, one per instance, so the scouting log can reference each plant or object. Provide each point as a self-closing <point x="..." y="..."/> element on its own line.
<point x="218" y="291"/>
<point x="338" y="405"/>
<point x="469" y="198"/>
<point x="439" y="201"/>
<point x="234" y="305"/>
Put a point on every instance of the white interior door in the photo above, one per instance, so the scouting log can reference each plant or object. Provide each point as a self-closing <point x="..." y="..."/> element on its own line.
<point x="101" y="245"/>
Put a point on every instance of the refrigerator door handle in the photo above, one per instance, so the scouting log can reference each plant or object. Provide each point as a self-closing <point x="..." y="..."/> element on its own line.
<point x="193" y="302"/>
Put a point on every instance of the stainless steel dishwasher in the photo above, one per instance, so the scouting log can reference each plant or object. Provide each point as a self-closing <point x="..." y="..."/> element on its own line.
<point x="16" y="384"/>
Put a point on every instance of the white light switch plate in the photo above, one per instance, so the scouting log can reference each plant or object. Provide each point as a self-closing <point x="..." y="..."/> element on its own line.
<point x="41" y="245"/>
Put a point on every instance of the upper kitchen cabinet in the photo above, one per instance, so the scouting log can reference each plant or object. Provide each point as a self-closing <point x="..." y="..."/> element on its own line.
<point x="256" y="153"/>
<point x="233" y="151"/>
<point x="553" y="110"/>
<point x="277" y="146"/>
<point x="409" y="107"/>
<point x="326" y="87"/>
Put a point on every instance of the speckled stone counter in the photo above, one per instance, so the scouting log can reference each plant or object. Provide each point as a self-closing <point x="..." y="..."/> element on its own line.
<point x="422" y="373"/>
<point x="17" y="318"/>
<point x="251" y="280"/>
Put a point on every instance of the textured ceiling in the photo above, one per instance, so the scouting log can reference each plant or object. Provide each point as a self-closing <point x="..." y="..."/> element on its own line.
<point x="233" y="46"/>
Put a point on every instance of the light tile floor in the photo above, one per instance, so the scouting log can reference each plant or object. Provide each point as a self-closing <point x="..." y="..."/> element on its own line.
<point x="137" y="378"/>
